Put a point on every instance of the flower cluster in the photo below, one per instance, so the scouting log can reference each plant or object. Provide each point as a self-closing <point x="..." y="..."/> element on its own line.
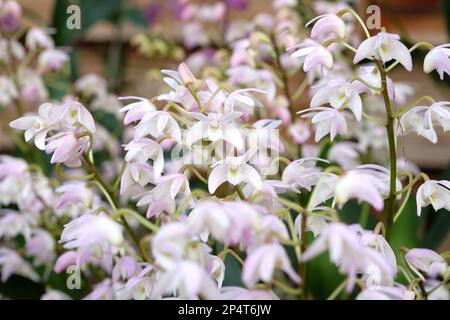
<point x="220" y="172"/>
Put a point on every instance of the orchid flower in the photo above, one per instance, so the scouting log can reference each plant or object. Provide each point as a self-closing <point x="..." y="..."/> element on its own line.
<point x="438" y="59"/>
<point x="385" y="47"/>
<point x="135" y="111"/>
<point x="162" y="197"/>
<point x="38" y="126"/>
<point x="339" y="95"/>
<point x="261" y="264"/>
<point x="326" y="26"/>
<point x="158" y="124"/>
<point x="12" y="263"/>
<point x="436" y="193"/>
<point x="312" y="55"/>
<point x="215" y="127"/>
<point x="234" y="170"/>
<point x="386" y="293"/>
<point x="422" y="120"/>
<point x="327" y="121"/>
<point x="427" y="261"/>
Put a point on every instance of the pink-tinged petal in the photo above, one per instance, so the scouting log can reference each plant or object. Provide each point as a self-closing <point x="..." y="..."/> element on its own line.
<point x="402" y="54"/>
<point x="86" y="119"/>
<point x="23" y="123"/>
<point x="365" y="49"/>
<point x="65" y="260"/>
<point x="196" y="132"/>
<point x="320" y="98"/>
<point x="217" y="176"/>
<point x="64" y="149"/>
<point x="251" y="176"/>
<point x="39" y="140"/>
<point x="234" y="137"/>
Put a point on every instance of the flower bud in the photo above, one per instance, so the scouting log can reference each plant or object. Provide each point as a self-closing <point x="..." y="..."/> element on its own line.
<point x="10" y="16"/>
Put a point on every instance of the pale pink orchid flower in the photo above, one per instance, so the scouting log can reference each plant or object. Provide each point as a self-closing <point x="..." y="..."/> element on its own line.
<point x="438" y="59"/>
<point x="144" y="149"/>
<point x="10" y="15"/>
<point x="38" y="126"/>
<point x="41" y="246"/>
<point x="135" y="111"/>
<point x="260" y="78"/>
<point x="74" y="193"/>
<point x="262" y="262"/>
<point x="235" y="170"/>
<point x="93" y="236"/>
<point x="312" y="55"/>
<point x="347" y="251"/>
<point x="303" y="173"/>
<point x="315" y="222"/>
<point x="13" y="223"/>
<point x="240" y="100"/>
<point x="436" y="193"/>
<point x="9" y="91"/>
<point x="136" y="173"/>
<point x="67" y="148"/>
<point x="423" y="119"/>
<point x="125" y="268"/>
<point x="91" y="85"/>
<point x="380" y="173"/>
<point x="179" y="94"/>
<point x="186" y="75"/>
<point x="436" y="291"/>
<point x="215" y="127"/>
<point x="300" y="131"/>
<point x="32" y="87"/>
<point x="77" y="114"/>
<point x="65" y="260"/>
<point x="52" y="60"/>
<point x="327" y="26"/>
<point x="340" y="95"/>
<point x="186" y="280"/>
<point x="379" y="243"/>
<point x="39" y="38"/>
<point x="158" y="124"/>
<point x="229" y="222"/>
<point x="398" y="292"/>
<point x="163" y="196"/>
<point x="104" y="290"/>
<point x="426" y="261"/>
<point x="345" y="154"/>
<point x="170" y="244"/>
<point x="385" y="47"/>
<point x="363" y="187"/>
<point x="327" y="121"/>
<point x="12" y="263"/>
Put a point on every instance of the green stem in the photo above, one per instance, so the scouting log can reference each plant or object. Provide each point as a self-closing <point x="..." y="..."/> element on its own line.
<point x="240" y="193"/>
<point x="357" y="17"/>
<point x="338" y="290"/>
<point x="364" y="217"/>
<point x="390" y="202"/>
